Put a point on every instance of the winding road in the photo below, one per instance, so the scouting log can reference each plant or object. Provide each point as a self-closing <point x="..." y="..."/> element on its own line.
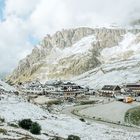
<point x="109" y="112"/>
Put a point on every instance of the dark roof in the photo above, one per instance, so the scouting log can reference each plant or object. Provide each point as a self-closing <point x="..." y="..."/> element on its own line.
<point x="132" y="85"/>
<point x="62" y="84"/>
<point x="53" y="83"/>
<point x="68" y="83"/>
<point x="111" y="87"/>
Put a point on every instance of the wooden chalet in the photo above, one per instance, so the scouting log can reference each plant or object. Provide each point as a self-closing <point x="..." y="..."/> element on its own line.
<point x="71" y="90"/>
<point x="110" y="90"/>
<point x="65" y="89"/>
<point x="53" y="87"/>
<point x="133" y="88"/>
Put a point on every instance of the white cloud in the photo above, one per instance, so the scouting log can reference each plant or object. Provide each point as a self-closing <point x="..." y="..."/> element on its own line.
<point x="49" y="16"/>
<point x="21" y="8"/>
<point x="13" y="44"/>
<point x="24" y="18"/>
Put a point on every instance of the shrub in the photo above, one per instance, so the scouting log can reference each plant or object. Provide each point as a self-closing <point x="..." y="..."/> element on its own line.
<point x="87" y="102"/>
<point x="57" y="138"/>
<point x="25" y="124"/>
<point x="35" y="128"/>
<point x="3" y="131"/>
<point x="73" y="137"/>
<point x="54" y="102"/>
<point x="82" y="119"/>
<point x="98" y="119"/>
<point x="2" y="120"/>
<point x="132" y="116"/>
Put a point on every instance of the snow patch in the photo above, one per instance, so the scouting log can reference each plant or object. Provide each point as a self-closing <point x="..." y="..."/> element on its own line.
<point x="127" y="49"/>
<point x="80" y="47"/>
<point x="6" y="87"/>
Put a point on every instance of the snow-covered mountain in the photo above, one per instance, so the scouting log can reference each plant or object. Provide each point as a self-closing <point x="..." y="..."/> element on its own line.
<point x="92" y="57"/>
<point x="119" y="64"/>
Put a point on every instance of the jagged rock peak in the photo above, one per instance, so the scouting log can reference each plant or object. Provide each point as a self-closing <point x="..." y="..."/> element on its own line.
<point x="67" y="53"/>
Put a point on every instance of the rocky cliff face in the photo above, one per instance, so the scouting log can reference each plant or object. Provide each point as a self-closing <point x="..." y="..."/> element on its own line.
<point x="67" y="54"/>
<point x="119" y="65"/>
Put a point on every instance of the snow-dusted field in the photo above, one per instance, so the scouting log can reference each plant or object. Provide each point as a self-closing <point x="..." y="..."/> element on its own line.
<point x="111" y="112"/>
<point x="14" y="108"/>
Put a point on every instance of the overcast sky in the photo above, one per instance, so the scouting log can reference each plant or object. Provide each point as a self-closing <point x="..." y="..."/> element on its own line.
<point x="24" y="22"/>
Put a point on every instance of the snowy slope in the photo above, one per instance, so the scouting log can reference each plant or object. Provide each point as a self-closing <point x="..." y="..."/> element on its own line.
<point x="60" y="61"/>
<point x="14" y="108"/>
<point x="6" y="87"/>
<point x="78" y="48"/>
<point x="120" y="64"/>
<point x="129" y="48"/>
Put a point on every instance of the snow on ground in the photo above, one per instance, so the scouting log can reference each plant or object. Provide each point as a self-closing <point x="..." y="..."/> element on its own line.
<point x="14" y="108"/>
<point x="65" y="126"/>
<point x="128" y="48"/>
<point x="116" y="73"/>
<point x="6" y="87"/>
<point x="43" y="100"/>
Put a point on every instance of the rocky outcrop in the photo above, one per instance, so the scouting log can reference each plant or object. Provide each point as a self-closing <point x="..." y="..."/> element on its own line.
<point x="61" y="56"/>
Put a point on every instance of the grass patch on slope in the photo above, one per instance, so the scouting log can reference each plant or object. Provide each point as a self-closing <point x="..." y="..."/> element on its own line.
<point x="87" y="102"/>
<point x="132" y="116"/>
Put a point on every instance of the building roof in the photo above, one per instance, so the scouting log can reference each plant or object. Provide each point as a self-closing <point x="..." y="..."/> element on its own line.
<point x="33" y="84"/>
<point x="53" y="83"/>
<point x="111" y="87"/>
<point x="132" y="85"/>
<point x="68" y="83"/>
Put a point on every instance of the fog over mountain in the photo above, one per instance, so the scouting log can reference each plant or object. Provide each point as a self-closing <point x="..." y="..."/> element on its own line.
<point x="24" y="23"/>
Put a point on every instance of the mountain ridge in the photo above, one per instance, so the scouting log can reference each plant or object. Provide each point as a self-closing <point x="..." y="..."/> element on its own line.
<point x="68" y="53"/>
